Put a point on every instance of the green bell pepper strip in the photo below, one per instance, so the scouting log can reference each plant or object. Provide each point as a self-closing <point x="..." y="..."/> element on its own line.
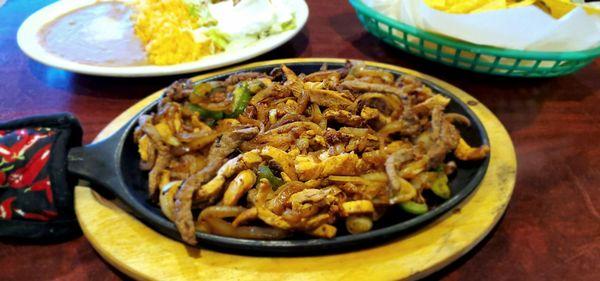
<point x="241" y="97"/>
<point x="266" y="173"/>
<point x="440" y="186"/>
<point x="439" y="168"/>
<point x="205" y="113"/>
<point x="201" y="89"/>
<point x="414" y="207"/>
<point x="255" y="86"/>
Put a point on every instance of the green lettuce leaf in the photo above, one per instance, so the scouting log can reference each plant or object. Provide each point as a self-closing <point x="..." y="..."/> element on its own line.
<point x="221" y="39"/>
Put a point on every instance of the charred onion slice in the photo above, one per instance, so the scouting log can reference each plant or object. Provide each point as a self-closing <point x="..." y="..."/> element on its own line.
<point x="262" y="156"/>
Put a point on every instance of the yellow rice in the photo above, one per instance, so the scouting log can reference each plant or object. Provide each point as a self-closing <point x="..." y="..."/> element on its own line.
<point x="165" y="28"/>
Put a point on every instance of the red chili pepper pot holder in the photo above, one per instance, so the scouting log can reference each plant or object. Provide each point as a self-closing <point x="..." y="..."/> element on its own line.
<point x="36" y="192"/>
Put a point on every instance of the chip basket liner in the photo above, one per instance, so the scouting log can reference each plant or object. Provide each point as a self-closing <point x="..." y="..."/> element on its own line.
<point x="469" y="56"/>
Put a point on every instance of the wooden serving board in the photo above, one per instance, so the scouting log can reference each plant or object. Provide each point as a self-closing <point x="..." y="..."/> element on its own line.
<point x="142" y="253"/>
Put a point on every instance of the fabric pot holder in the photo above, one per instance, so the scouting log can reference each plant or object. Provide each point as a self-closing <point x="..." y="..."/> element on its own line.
<point x="36" y="192"/>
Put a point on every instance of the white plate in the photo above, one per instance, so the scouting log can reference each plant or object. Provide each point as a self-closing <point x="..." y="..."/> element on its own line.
<point x="28" y="40"/>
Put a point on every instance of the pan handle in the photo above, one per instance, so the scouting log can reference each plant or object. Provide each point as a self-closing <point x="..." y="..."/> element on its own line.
<point x="97" y="163"/>
<point x="100" y="163"/>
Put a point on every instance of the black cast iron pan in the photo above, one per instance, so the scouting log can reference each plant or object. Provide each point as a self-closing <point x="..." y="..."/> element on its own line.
<point x="113" y="164"/>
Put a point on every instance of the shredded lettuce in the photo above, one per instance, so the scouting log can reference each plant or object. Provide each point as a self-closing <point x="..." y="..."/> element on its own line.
<point x="279" y="28"/>
<point x="209" y="27"/>
<point x="276" y="28"/>
<point x="219" y="38"/>
<point x="289" y="25"/>
<point x="199" y="10"/>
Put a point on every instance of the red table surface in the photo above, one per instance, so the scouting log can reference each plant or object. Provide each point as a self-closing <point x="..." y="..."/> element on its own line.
<point x="551" y="229"/>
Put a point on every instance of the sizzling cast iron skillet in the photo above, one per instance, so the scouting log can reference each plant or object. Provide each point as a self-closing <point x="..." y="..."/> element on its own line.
<point x="112" y="164"/>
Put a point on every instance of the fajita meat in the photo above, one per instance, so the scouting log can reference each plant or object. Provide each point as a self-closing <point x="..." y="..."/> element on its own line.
<point x="264" y="156"/>
<point x="217" y="154"/>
